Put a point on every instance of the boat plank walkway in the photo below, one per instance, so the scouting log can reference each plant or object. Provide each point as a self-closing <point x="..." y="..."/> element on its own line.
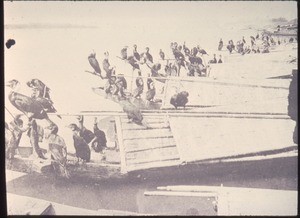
<point x="208" y="138"/>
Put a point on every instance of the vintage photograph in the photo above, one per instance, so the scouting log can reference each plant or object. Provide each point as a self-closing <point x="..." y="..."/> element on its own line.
<point x="139" y="108"/>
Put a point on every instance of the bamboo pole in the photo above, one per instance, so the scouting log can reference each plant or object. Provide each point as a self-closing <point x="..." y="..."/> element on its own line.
<point x="185" y="114"/>
<point x="206" y="80"/>
<point x="181" y="194"/>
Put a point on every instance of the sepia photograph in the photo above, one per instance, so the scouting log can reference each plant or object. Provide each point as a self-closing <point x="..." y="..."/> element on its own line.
<point x="147" y="108"/>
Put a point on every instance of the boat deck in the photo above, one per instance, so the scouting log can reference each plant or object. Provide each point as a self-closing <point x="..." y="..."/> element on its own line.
<point x="175" y="140"/>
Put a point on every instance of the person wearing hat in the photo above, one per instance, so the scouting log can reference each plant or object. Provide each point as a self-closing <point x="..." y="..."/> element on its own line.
<point x="13" y="135"/>
<point x="58" y="150"/>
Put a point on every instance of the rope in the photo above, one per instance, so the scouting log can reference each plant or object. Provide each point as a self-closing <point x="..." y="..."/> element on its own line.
<point x="10" y="113"/>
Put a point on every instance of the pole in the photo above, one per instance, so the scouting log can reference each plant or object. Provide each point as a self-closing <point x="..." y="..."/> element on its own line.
<point x="10" y="113"/>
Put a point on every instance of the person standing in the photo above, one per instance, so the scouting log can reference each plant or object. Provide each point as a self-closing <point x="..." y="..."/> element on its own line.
<point x="13" y="135"/>
<point x="58" y="150"/>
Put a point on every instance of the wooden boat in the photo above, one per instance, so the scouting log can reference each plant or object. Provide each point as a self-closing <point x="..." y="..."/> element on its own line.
<point x="232" y="129"/>
<point x="176" y="139"/>
<point x="219" y="201"/>
<point x="210" y="92"/>
<point x="22" y="205"/>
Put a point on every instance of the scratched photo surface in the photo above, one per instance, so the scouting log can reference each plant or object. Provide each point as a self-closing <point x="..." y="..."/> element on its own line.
<point x="151" y="107"/>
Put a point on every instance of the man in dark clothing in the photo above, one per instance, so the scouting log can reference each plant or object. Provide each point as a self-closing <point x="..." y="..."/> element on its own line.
<point x="293" y="103"/>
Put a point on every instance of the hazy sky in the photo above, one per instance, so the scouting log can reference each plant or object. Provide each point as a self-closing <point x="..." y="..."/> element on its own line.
<point x="100" y="13"/>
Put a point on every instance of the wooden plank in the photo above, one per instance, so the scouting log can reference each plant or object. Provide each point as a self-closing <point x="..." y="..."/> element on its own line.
<point x="193" y="188"/>
<point x="149" y="119"/>
<point x="149" y="154"/>
<point x="120" y="141"/>
<point x="181" y="113"/>
<point x="167" y="163"/>
<point x="140" y="144"/>
<point x="224" y="82"/>
<point x="156" y="125"/>
<point x="154" y="159"/>
<point x="176" y="136"/>
<point x="148" y="133"/>
<point x="182" y="194"/>
<point x="151" y="148"/>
